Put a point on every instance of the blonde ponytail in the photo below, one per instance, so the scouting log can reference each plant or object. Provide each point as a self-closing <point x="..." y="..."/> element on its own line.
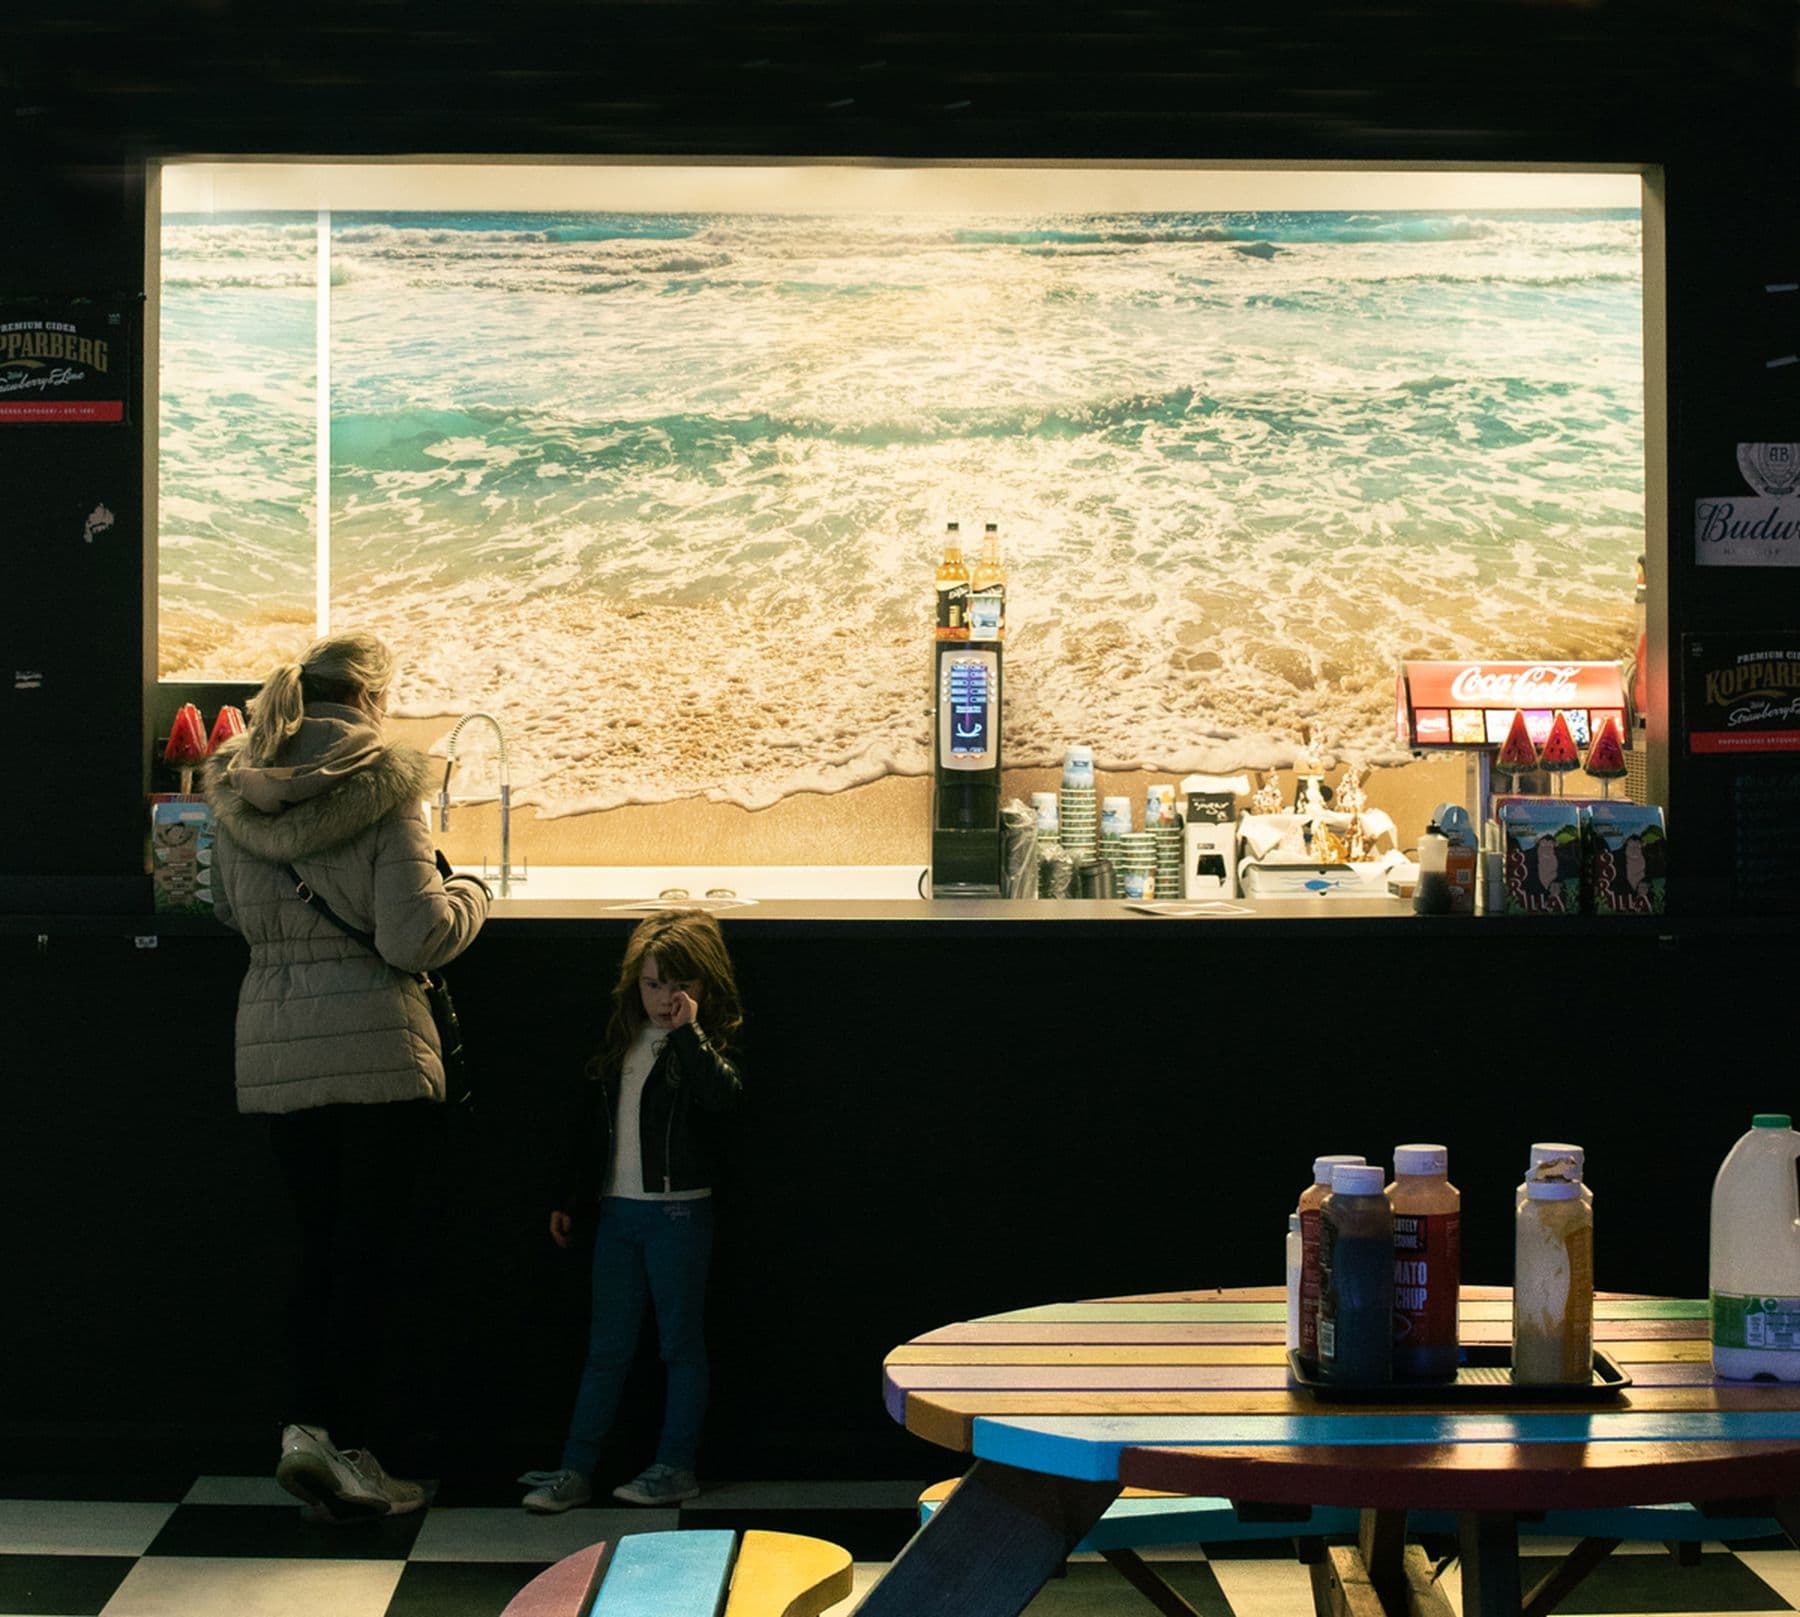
<point x="275" y="714"/>
<point x="340" y="668"/>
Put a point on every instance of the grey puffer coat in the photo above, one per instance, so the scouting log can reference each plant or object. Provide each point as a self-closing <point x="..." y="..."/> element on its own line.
<point x="321" y="1019"/>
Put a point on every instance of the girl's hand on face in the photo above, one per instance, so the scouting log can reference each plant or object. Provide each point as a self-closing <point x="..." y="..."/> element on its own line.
<point x="560" y="1224"/>
<point x="682" y="1010"/>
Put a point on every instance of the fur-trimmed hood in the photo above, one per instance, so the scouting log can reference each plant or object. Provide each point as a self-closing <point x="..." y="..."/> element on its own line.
<point x="336" y="778"/>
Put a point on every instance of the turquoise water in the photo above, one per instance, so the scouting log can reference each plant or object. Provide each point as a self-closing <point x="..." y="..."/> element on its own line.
<point x="599" y="467"/>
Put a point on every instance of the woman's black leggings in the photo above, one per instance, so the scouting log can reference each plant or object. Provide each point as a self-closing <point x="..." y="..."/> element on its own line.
<point x="355" y="1175"/>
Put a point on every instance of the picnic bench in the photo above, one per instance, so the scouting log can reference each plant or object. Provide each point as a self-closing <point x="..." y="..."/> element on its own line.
<point x="1143" y="1518"/>
<point x="698" y="1573"/>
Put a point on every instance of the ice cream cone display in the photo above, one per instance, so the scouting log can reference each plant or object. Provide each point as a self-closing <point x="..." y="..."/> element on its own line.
<point x="1606" y="758"/>
<point x="1559" y="754"/>
<point x="187" y="745"/>
<point x="1518" y="753"/>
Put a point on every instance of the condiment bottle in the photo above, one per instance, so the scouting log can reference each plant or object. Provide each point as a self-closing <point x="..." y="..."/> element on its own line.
<point x="1311" y="1200"/>
<point x="1294" y="1256"/>
<point x="952" y="588"/>
<point x="1427" y="1263"/>
<point x="1553" y="1282"/>
<point x="1432" y="894"/>
<point x="1356" y="1278"/>
<point x="1460" y="864"/>
<point x="1754" y="1268"/>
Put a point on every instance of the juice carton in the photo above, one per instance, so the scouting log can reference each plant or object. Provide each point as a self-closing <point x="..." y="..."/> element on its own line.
<point x="1627" y="858"/>
<point x="181" y="854"/>
<point x="1541" y="839"/>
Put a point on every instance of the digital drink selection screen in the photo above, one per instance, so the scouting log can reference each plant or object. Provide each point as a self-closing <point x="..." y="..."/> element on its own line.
<point x="968" y="709"/>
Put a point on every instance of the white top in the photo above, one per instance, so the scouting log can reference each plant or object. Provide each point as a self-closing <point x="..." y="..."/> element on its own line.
<point x="1421" y="1159"/>
<point x="625" y="1175"/>
<point x="1353" y="1179"/>
<point x="1548" y="1151"/>
<point x="1322" y="1167"/>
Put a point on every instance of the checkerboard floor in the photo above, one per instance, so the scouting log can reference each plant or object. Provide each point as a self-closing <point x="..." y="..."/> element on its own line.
<point x="229" y="1546"/>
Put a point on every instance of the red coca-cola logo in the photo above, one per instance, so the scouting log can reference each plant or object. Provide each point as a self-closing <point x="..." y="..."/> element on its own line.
<point x="1539" y="685"/>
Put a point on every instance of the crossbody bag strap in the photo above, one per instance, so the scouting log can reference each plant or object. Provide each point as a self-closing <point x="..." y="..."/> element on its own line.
<point x="319" y="904"/>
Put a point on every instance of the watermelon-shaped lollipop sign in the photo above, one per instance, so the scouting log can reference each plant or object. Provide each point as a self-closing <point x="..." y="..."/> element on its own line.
<point x="1518" y="753"/>
<point x="1606" y="758"/>
<point x="187" y="744"/>
<point x="229" y="723"/>
<point x="1559" y="755"/>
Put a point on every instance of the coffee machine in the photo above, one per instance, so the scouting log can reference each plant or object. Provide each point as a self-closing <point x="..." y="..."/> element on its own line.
<point x="966" y="838"/>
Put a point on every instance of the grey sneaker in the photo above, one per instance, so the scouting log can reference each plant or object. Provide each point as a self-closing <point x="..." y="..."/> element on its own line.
<point x="348" y="1485"/>
<point x="659" y="1485"/>
<point x="313" y="1470"/>
<point x="403" y="1497"/>
<point x="553" y="1492"/>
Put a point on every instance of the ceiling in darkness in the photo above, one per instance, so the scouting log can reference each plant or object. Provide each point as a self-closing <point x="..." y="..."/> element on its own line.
<point x="1494" y="80"/>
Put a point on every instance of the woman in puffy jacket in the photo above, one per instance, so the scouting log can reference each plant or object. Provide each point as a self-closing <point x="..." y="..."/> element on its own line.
<point x="335" y="1043"/>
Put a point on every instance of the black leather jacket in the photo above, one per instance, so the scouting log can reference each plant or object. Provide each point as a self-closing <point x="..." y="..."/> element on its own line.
<point x="690" y="1088"/>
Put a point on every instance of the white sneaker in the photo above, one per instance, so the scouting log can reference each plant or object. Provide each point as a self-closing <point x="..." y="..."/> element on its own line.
<point x="553" y="1492"/>
<point x="348" y="1486"/>
<point x="659" y="1485"/>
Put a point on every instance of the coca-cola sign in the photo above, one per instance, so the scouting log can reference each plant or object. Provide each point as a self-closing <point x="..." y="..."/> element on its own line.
<point x="1536" y="685"/>
<point x="1470" y="704"/>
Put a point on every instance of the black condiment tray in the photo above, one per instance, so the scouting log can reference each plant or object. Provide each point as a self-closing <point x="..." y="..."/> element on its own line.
<point x="1483" y="1376"/>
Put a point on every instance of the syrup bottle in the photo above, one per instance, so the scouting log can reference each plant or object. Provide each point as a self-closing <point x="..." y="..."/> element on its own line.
<point x="952" y="588"/>
<point x="987" y="590"/>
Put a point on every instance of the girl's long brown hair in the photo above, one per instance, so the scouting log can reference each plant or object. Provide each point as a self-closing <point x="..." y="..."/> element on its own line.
<point x="687" y="946"/>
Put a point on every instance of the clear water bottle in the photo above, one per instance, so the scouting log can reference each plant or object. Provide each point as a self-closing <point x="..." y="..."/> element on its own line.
<point x="1755" y="1261"/>
<point x="1294" y="1263"/>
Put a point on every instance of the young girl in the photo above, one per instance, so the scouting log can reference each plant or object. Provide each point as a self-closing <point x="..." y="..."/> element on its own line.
<point x="656" y="1094"/>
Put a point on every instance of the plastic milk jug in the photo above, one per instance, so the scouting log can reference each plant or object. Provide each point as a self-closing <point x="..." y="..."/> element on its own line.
<point x="1755" y="1268"/>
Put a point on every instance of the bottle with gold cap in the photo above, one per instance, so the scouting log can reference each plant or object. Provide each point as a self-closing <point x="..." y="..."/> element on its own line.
<point x="987" y="590"/>
<point x="952" y="588"/>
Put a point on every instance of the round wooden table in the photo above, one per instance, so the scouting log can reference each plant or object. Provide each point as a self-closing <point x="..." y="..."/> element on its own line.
<point x="1189" y="1392"/>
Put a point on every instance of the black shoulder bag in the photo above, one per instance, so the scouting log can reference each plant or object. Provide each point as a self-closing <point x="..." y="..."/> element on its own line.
<point x="459" y="1094"/>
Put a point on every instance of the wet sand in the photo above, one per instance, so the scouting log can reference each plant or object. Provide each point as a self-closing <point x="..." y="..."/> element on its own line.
<point x="886" y="822"/>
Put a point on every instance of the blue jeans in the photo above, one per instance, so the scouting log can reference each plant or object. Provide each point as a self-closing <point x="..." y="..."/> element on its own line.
<point x="659" y="1251"/>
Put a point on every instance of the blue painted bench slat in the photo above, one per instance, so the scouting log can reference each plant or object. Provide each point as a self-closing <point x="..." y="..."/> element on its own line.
<point x="691" y="1574"/>
<point x="666" y="1575"/>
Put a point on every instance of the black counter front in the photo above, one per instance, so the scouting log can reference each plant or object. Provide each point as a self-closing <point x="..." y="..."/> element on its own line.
<point x="955" y="1109"/>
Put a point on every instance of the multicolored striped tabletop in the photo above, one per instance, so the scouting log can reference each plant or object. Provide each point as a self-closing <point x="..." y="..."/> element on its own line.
<point x="1086" y="1389"/>
<point x="1189" y="1393"/>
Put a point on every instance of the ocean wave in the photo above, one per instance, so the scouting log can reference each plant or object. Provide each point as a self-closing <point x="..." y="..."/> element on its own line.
<point x="389" y="440"/>
<point x="1258" y="229"/>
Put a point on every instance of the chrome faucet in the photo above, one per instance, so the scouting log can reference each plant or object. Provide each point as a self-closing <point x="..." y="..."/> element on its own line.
<point x="507" y="874"/>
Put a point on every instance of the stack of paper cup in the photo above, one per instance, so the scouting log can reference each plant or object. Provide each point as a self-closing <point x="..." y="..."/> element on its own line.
<point x="1078" y="817"/>
<point x="1136" y="862"/>
<point x="1168" y="859"/>
<point x="1115" y="821"/>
